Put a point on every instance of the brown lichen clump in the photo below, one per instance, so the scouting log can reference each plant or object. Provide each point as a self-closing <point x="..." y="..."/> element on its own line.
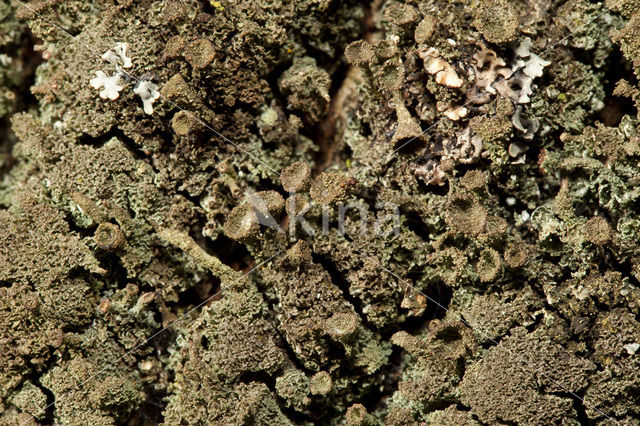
<point x="496" y="20"/>
<point x="425" y="30"/>
<point x="200" y="53"/>
<point x="402" y="16"/>
<point x="474" y="180"/>
<point x="109" y="237"/>
<point x="597" y="230"/>
<point x="320" y="383"/>
<point x="242" y="223"/>
<point x="357" y="415"/>
<point x="465" y="214"/>
<point x="489" y="265"/>
<point x="360" y="54"/>
<point x="296" y="177"/>
<point x="330" y="187"/>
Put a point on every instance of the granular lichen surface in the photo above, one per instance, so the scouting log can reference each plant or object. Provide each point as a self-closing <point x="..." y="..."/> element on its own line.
<point x="320" y="212"/>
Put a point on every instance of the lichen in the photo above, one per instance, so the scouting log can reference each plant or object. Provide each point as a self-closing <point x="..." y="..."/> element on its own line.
<point x="319" y="212"/>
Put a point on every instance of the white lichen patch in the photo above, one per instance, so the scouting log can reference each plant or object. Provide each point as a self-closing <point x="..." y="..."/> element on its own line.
<point x="527" y="126"/>
<point x="148" y="92"/>
<point x="118" y="55"/>
<point x="443" y="71"/>
<point x="488" y="68"/>
<point x="632" y="348"/>
<point x="526" y="68"/>
<point x="110" y="85"/>
<point x="535" y="64"/>
<point x="465" y="148"/>
<point x="456" y="113"/>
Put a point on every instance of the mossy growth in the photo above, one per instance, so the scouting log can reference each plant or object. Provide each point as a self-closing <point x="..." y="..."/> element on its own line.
<point x="30" y="399"/>
<point x="305" y="335"/>
<point x="504" y="108"/>
<point x="306" y="87"/>
<point x="474" y="180"/>
<point x="494" y="132"/>
<point x="293" y="387"/>
<point x="200" y="53"/>
<point x="516" y="255"/>
<point x="629" y="40"/>
<point x="627" y="7"/>
<point x="495" y="229"/>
